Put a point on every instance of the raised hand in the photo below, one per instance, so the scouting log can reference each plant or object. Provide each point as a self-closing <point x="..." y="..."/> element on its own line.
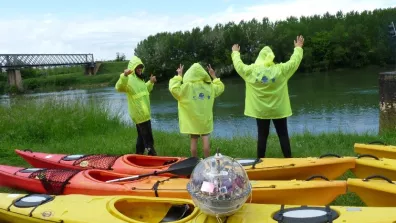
<point x="299" y="41"/>
<point x="153" y="79"/>
<point x="127" y="72"/>
<point x="180" y="70"/>
<point x="211" y="72"/>
<point x="236" y="47"/>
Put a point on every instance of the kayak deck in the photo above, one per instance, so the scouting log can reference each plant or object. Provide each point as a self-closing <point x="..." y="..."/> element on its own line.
<point x="375" y="191"/>
<point x="122" y="209"/>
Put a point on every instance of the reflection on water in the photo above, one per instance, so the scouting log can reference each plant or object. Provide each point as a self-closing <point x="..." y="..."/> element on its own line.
<point x="320" y="103"/>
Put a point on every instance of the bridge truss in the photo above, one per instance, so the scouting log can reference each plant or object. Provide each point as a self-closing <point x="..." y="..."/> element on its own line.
<point x="15" y="61"/>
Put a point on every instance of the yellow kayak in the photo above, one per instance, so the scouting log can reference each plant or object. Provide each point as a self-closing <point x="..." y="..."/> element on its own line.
<point x="375" y="191"/>
<point x="367" y="165"/>
<point x="121" y="209"/>
<point x="381" y="151"/>
<point x="330" y="166"/>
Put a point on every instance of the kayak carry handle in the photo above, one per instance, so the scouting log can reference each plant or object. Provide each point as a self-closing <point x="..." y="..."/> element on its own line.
<point x="28" y="150"/>
<point x="378" y="176"/>
<point x="377" y="142"/>
<point x="317" y="176"/>
<point x="329" y="155"/>
<point x="367" y="155"/>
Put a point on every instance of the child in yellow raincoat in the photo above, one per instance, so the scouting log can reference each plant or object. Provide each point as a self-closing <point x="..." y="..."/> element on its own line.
<point x="131" y="83"/>
<point x="195" y="98"/>
<point x="267" y="96"/>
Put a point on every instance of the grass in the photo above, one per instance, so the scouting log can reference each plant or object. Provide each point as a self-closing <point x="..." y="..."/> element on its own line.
<point x="82" y="127"/>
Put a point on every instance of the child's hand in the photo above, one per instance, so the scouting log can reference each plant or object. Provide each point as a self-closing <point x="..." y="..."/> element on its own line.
<point x="211" y="72"/>
<point x="236" y="47"/>
<point x="153" y="79"/>
<point x="299" y="41"/>
<point x="127" y="72"/>
<point x="180" y="70"/>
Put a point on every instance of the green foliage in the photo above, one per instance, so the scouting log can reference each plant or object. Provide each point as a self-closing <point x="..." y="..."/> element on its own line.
<point x="66" y="81"/>
<point x="112" y="67"/>
<point x="120" y="57"/>
<point x="3" y="82"/>
<point x="43" y="72"/>
<point x="34" y="80"/>
<point x="63" y="80"/>
<point x="350" y="40"/>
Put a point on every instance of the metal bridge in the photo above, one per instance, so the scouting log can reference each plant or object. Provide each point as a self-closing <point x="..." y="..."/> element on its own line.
<point x="15" y="61"/>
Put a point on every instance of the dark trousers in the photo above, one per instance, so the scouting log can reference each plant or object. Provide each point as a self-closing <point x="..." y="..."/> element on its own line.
<point x="263" y="126"/>
<point x="145" y="139"/>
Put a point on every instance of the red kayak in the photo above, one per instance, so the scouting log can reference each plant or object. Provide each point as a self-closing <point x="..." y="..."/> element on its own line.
<point x="132" y="164"/>
<point x="329" y="165"/>
<point x="94" y="182"/>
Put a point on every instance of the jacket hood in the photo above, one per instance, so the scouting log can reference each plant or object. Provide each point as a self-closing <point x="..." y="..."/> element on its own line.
<point x="266" y="57"/>
<point x="196" y="73"/>
<point x="134" y="62"/>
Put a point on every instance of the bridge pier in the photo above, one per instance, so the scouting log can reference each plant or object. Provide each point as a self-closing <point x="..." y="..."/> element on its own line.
<point x="387" y="93"/>
<point x="14" y="78"/>
<point x="92" y="69"/>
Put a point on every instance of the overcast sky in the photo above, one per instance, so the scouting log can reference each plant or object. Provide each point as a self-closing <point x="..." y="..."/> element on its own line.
<point x="106" y="27"/>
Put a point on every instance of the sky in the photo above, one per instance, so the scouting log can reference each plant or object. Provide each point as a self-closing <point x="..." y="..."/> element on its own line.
<point x="107" y="27"/>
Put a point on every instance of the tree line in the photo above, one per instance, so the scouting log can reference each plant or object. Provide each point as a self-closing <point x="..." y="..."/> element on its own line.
<point x="341" y="40"/>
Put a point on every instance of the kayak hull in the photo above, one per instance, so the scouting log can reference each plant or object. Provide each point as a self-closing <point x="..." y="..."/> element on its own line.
<point x="266" y="169"/>
<point x="92" y="182"/>
<point x="368" y="166"/>
<point x="381" y="151"/>
<point x="122" y="209"/>
<point x="300" y="168"/>
<point x="132" y="164"/>
<point x="374" y="192"/>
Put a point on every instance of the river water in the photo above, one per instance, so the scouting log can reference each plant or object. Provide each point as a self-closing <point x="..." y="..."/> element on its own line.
<point x="324" y="102"/>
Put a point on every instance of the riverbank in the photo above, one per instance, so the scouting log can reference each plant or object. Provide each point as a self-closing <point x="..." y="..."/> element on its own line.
<point x="76" y="127"/>
<point x="60" y="79"/>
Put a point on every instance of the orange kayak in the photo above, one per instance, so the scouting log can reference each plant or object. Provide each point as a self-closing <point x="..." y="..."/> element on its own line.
<point x="331" y="166"/>
<point x="132" y="164"/>
<point x="93" y="182"/>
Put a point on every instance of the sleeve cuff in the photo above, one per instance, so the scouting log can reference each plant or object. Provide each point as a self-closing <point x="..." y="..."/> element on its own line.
<point x="178" y="78"/>
<point x="235" y="53"/>
<point x="122" y="76"/>
<point x="216" y="80"/>
<point x="298" y="48"/>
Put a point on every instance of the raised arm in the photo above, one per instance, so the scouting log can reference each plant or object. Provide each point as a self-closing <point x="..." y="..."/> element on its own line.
<point x="290" y="67"/>
<point x="218" y="86"/>
<point x="122" y="83"/>
<point x="242" y="69"/>
<point x="175" y="83"/>
<point x="150" y="83"/>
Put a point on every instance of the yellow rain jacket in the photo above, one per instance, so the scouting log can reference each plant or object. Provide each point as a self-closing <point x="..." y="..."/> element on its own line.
<point x="267" y="95"/>
<point x="137" y="91"/>
<point x="195" y="99"/>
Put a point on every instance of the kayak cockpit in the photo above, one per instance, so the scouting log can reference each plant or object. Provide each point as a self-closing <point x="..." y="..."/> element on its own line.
<point x="153" y="211"/>
<point x="149" y="161"/>
<point x="103" y="176"/>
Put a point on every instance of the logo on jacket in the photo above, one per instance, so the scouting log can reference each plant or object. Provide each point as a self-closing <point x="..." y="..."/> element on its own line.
<point x="201" y="96"/>
<point x="264" y="79"/>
